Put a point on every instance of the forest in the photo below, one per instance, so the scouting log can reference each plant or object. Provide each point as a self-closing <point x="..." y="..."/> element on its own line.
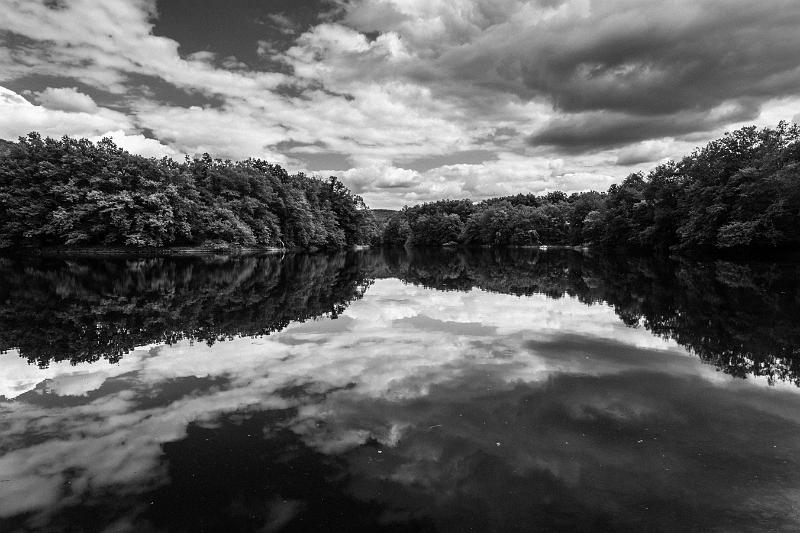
<point x="75" y="193"/>
<point x="738" y="193"/>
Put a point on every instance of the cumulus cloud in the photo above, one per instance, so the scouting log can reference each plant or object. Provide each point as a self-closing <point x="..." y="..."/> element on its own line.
<point x="620" y="56"/>
<point x="66" y="99"/>
<point x="643" y="152"/>
<point x="69" y="112"/>
<point x="508" y="174"/>
<point x="389" y="84"/>
<point x="229" y="133"/>
<point x="139" y="144"/>
<point x="607" y="129"/>
<point x="19" y="117"/>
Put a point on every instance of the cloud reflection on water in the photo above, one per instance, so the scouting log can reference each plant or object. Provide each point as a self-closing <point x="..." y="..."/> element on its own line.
<point x="463" y="407"/>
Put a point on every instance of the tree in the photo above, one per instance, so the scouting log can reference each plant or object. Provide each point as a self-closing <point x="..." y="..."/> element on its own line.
<point x="71" y="192"/>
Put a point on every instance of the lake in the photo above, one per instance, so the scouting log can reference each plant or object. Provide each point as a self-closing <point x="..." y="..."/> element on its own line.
<point x="426" y="390"/>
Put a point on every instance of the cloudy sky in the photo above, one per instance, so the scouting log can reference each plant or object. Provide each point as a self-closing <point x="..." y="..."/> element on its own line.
<point x="405" y="100"/>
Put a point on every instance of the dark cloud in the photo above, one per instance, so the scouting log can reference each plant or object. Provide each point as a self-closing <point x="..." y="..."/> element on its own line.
<point x="607" y="129"/>
<point x="372" y="35"/>
<point x="667" y="62"/>
<point x="707" y="57"/>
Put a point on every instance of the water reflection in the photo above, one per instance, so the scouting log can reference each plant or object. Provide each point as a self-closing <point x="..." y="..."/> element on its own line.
<point x="740" y="317"/>
<point x="503" y="403"/>
<point x="83" y="310"/>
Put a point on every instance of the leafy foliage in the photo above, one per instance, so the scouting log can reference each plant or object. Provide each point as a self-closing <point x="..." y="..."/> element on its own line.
<point x="72" y="192"/>
<point x="740" y="192"/>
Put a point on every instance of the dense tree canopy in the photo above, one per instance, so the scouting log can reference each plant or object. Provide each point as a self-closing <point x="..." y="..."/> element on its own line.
<point x="72" y="192"/>
<point x="740" y="192"/>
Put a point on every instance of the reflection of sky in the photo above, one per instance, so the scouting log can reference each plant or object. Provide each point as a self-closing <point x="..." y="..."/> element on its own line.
<point x="458" y="392"/>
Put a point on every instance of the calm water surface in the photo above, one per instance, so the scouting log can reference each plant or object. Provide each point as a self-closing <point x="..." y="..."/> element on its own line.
<point x="388" y="390"/>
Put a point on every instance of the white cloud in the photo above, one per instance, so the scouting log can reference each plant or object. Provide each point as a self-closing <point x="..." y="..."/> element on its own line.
<point x="66" y="99"/>
<point x="139" y="144"/>
<point x="392" y="187"/>
<point x="440" y="77"/>
<point x="19" y="117"/>
<point x="232" y="132"/>
<point x="70" y="114"/>
<point x="643" y="152"/>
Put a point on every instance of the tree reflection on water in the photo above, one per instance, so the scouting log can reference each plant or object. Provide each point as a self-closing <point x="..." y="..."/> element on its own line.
<point x="425" y="390"/>
<point x="740" y="317"/>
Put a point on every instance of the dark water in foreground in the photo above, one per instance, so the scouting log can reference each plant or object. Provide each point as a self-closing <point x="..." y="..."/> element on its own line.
<point x="431" y="391"/>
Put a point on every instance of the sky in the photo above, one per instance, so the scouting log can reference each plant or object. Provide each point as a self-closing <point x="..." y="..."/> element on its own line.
<point x="406" y="101"/>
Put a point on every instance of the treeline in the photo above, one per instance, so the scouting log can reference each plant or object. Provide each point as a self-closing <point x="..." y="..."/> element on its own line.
<point x="739" y="192"/>
<point x="75" y="193"/>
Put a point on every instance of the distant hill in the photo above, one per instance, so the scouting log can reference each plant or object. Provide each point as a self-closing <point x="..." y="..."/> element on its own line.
<point x="382" y="215"/>
<point x="5" y="146"/>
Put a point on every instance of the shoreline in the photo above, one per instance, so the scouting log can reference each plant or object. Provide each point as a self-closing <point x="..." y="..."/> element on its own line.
<point x="189" y="251"/>
<point x="155" y="252"/>
<point x="171" y="250"/>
